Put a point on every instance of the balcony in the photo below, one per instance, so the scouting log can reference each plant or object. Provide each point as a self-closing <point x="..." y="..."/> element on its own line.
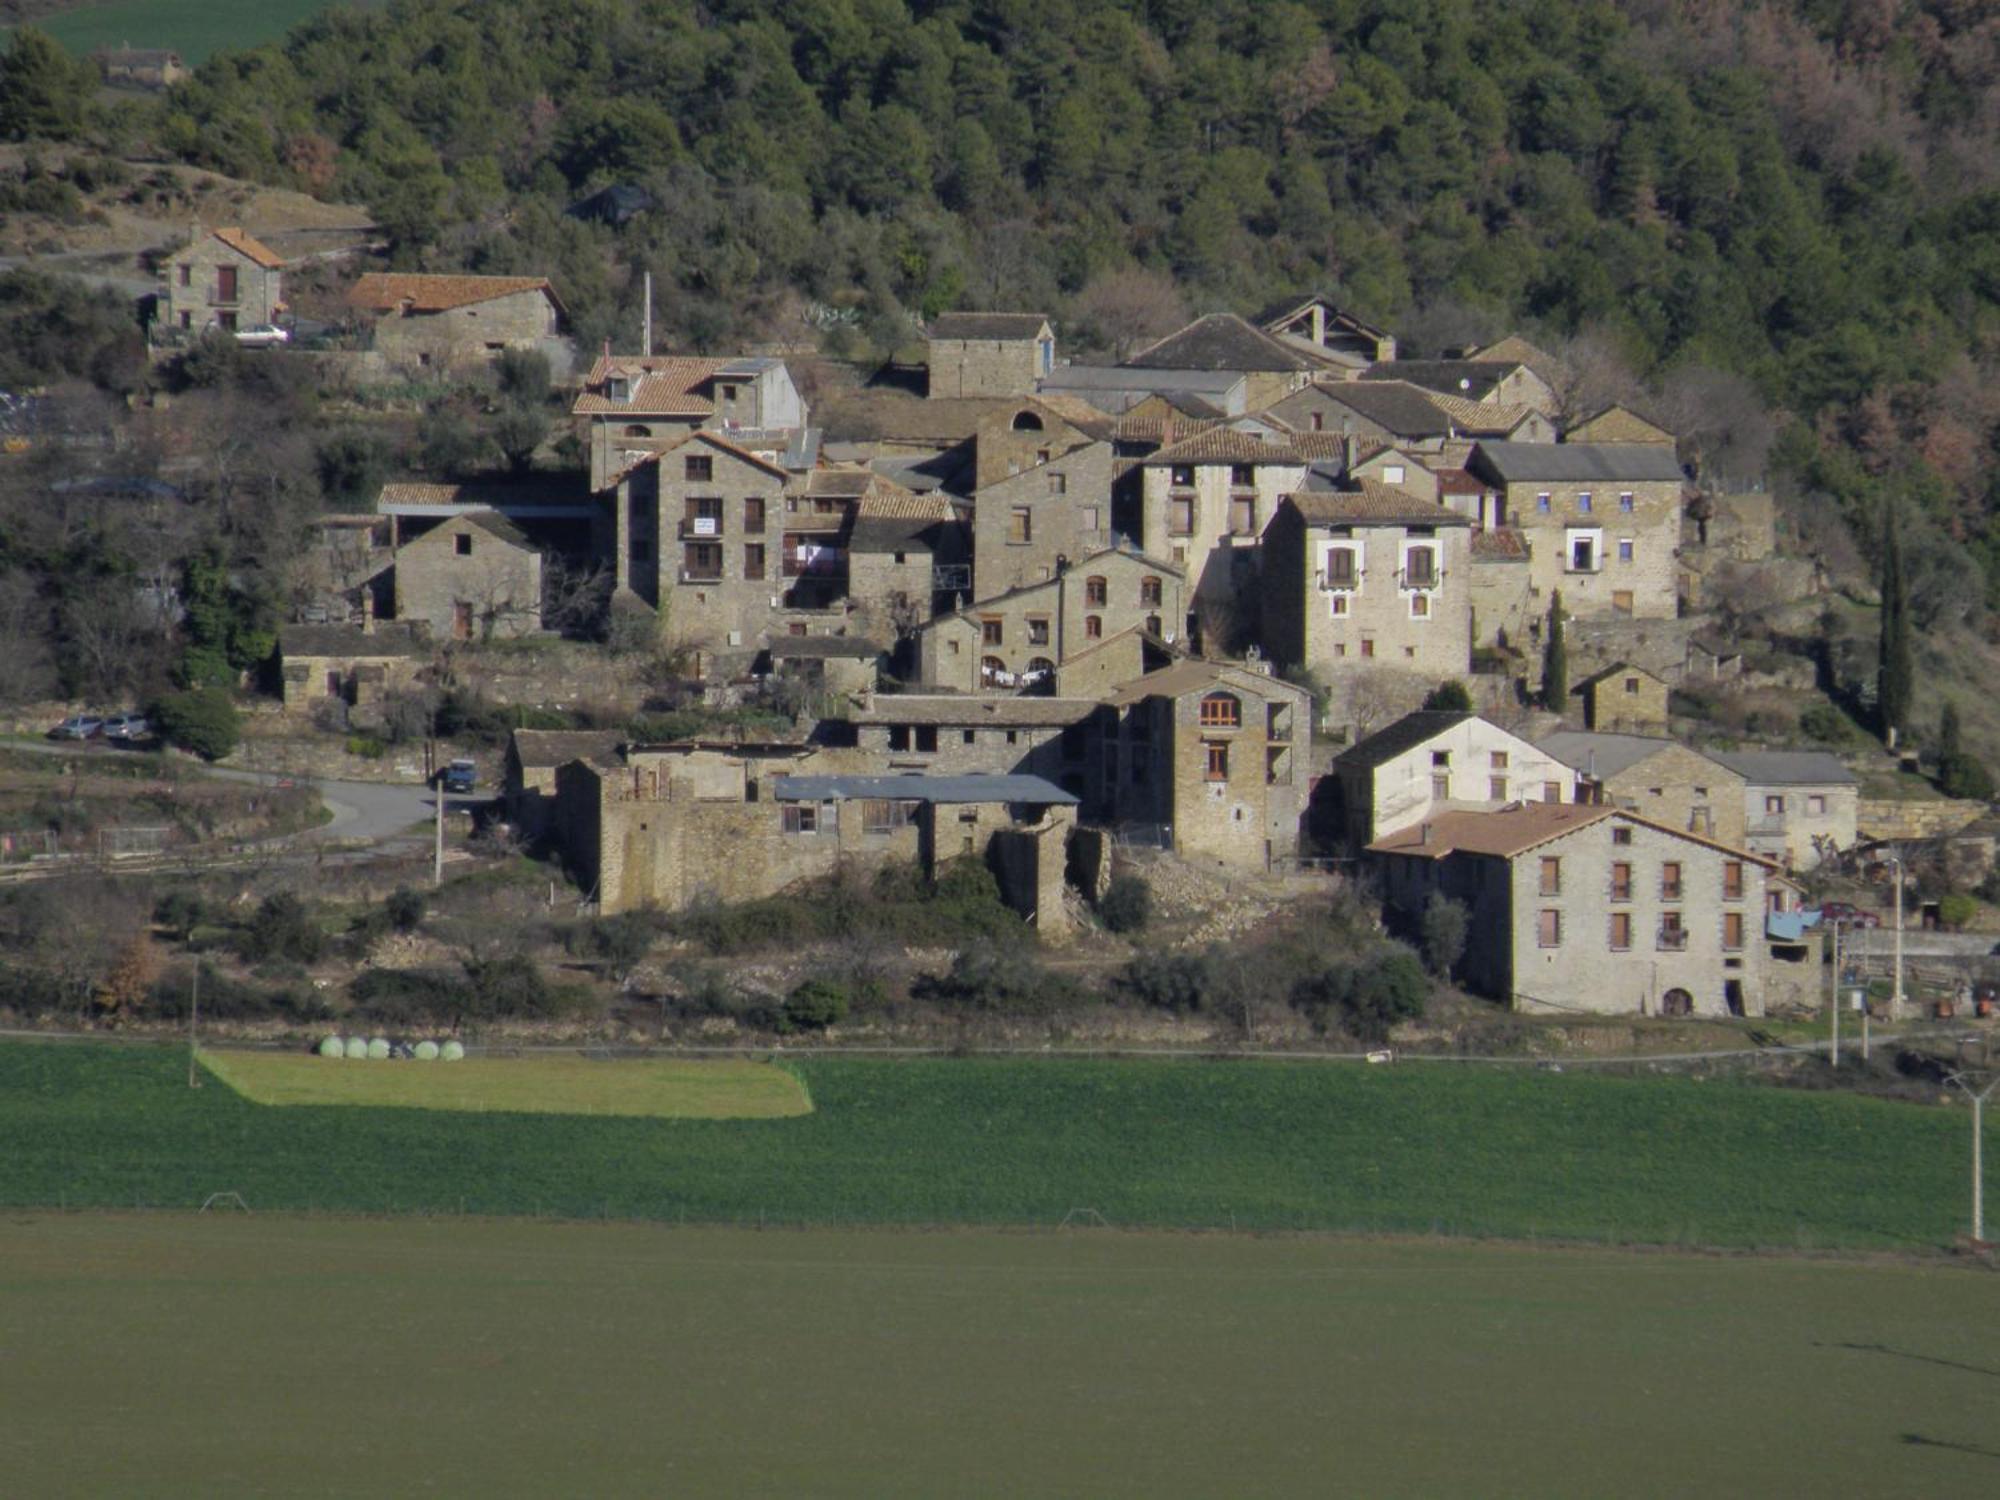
<point x="701" y="526"/>
<point x="1673" y="940"/>
<point x="689" y="575"/>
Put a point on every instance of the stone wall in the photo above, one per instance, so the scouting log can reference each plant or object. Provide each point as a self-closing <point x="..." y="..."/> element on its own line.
<point x="197" y="303"/>
<point x="467" y="583"/>
<point x="982" y="367"/>
<point x="1022" y="524"/>
<point x="1896" y="819"/>
<point x="551" y="673"/>
<point x="466" y="335"/>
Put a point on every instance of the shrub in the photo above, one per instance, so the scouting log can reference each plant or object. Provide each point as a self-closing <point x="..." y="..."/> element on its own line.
<point x="1450" y="697"/>
<point x="1446" y="923"/>
<point x="1127" y="905"/>
<point x="405" y="908"/>
<point x="202" y="721"/>
<point x="1827" y="724"/>
<point x="1956" y="909"/>
<point x="282" y="928"/>
<point x="813" y="1006"/>
<point x="1367" y="998"/>
<point x="366" y="746"/>
<point x="1177" y="982"/>
<point x="180" y="912"/>
<point x="1963" y="775"/>
<point x="994" y="978"/>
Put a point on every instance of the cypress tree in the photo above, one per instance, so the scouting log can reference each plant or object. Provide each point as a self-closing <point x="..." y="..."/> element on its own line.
<point x="1950" y="736"/>
<point x="1555" y="660"/>
<point x="1893" y="676"/>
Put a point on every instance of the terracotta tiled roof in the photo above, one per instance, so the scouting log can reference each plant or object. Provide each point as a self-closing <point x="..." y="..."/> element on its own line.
<point x="1506" y="833"/>
<point x="380" y="291"/>
<point x="1457" y="482"/>
<point x="667" y="387"/>
<point x="1502" y="544"/>
<point x="1481" y="418"/>
<point x="1194" y="676"/>
<point x="1225" y="445"/>
<point x="1313" y="446"/>
<point x="243" y="244"/>
<point x="886" y="500"/>
<point x="1370" y="500"/>
<point x="1618" y="424"/>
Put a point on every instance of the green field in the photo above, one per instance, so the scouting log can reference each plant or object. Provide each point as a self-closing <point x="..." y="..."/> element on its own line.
<point x="659" y="1088"/>
<point x="208" y="1355"/>
<point x="1427" y="1149"/>
<point x="193" y="28"/>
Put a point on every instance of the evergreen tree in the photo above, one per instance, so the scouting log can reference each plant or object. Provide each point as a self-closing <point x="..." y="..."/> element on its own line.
<point x="1555" y="660"/>
<point x="1449" y="696"/>
<point x="44" y="94"/>
<point x="1950" y="740"/>
<point x="1893" y="679"/>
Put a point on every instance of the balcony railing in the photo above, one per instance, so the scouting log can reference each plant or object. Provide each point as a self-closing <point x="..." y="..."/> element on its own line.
<point x="701" y="526"/>
<point x="689" y="575"/>
<point x="1673" y="939"/>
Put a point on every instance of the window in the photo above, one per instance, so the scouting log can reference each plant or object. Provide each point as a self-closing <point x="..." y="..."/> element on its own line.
<point x="801" y="817"/>
<point x="1497" y="760"/>
<point x="1552" y="875"/>
<point x="1732" y="880"/>
<point x="753" y="514"/>
<point x="1392" y="473"/>
<point x="1621" y="835"/>
<point x="1496" y="789"/>
<point x="1583" y="502"/>
<point x="753" y="562"/>
<point x="882" y="815"/>
<point x="225" y="283"/>
<point x="1420" y="568"/>
<point x="1621" y="601"/>
<point x="1624" y="549"/>
<point x="1420" y="609"/>
<point x="1441" y="788"/>
<point x="1732" y="929"/>
<point x="704" y="515"/>
<point x="1218" y="759"/>
<point x="1181" y="477"/>
<point x="1552" y="791"/>
<point x="1670" y="881"/>
<point x="638" y="430"/>
<point x="1340" y="567"/>
<point x="1625" y="503"/>
<point x="991" y="631"/>
<point x="1243" y="515"/>
<point x="1440" y="757"/>
<point x="1096" y="592"/>
<point x="1621" y="931"/>
<point x="729" y="393"/>
<point x="1542" y="503"/>
<point x="187" y="275"/>
<point x="1087" y="518"/>
<point x="1367" y="648"/>
<point x="1038" y="631"/>
<point x="1549" y="928"/>
<point x="1673" y="936"/>
<point x="703" y="561"/>
<point x="1340" y="602"/>
<point x="1621" y="881"/>
<point x="462" y="544"/>
<point x="1583" y="552"/>
<point x="1774" y="807"/>
<point x="1816" y="805"/>
<point x="1027" y="421"/>
<point x="1058" y="484"/>
<point x="1020" y="525"/>
<point x="1221" y="711"/>
<point x="1180" y="517"/>
<point x="1093" y="627"/>
<point x="1242" y="477"/>
<point x="1319" y="421"/>
<point x="1149" y="593"/>
<point x="1631" y="684"/>
<point x="701" y="468"/>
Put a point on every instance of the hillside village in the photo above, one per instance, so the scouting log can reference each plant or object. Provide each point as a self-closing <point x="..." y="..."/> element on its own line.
<point x="1263" y="595"/>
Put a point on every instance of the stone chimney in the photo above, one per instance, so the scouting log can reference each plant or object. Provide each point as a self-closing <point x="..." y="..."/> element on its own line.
<point x="367" y="610"/>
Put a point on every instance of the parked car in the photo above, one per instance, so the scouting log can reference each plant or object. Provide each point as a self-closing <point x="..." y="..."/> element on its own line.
<point x="262" y="336"/>
<point x="126" y="729"/>
<point x="78" y="727"/>
<point x="461" y="776"/>
<point x="1849" y="915"/>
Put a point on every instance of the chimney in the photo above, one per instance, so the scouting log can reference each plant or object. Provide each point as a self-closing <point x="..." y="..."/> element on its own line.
<point x="1348" y="448"/>
<point x="367" y="610"/>
<point x="1424" y="834"/>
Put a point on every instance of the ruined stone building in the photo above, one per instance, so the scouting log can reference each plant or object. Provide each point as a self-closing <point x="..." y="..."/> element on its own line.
<point x="454" y="322"/>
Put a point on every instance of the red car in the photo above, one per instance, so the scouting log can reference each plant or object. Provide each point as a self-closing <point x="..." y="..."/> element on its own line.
<point x="1849" y="915"/>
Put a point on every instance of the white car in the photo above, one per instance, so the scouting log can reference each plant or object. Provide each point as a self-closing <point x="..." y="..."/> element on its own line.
<point x="262" y="336"/>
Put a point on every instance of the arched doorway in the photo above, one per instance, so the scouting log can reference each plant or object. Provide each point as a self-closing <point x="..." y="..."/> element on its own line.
<point x="1676" y="1002"/>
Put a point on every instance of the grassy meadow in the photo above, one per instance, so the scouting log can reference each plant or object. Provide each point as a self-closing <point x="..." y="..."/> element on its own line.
<point x="658" y="1088"/>
<point x="209" y="1354"/>
<point x="980" y="1141"/>
<point x="193" y="28"/>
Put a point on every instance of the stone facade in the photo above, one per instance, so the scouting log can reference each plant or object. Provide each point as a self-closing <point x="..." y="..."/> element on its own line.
<point x="1370" y="577"/>
<point x="452" y="322"/>
<point x="988" y="354"/>
<point x="1656" y="778"/>
<point x="1500" y="589"/>
<point x="1800" y="807"/>
<point x="1602" y="523"/>
<point x="1024" y="435"/>
<point x="471" y="577"/>
<point x="224" y="279"/>
<point x="1119" y="659"/>
<point x="947" y="735"/>
<point x="529" y="771"/>
<point x="1428" y="762"/>
<point x="345" y="664"/>
<point x="1594" y="909"/>
<point x="1023" y="525"/>
<point x="633" y="405"/>
<point x="1624" y="699"/>
<point x="1213" y="754"/>
<point x="1025" y="635"/>
<point x="1204" y="505"/>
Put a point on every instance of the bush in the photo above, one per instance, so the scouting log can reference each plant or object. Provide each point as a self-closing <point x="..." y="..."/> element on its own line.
<point x="1367" y="998"/>
<point x="813" y="1006"/>
<point x="405" y="908"/>
<point x="1446" y="923"/>
<point x="366" y="746"/>
<point x="282" y="928"/>
<point x="1449" y="697"/>
<point x="1127" y="905"/>
<point x="992" y="978"/>
<point x="202" y="721"/>
<point x="1963" y="775"/>
<point x="1956" y="909"/>
<point x="1177" y="982"/>
<point x="1827" y="724"/>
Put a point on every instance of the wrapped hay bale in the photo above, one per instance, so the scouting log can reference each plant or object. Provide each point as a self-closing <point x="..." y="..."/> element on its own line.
<point x="357" y="1046"/>
<point x="333" y="1046"/>
<point x="427" y="1051"/>
<point x="378" y="1050"/>
<point x="452" y="1051"/>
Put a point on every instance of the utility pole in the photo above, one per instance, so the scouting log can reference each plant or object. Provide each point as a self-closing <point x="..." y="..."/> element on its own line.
<point x="646" y="333"/>
<point x="194" y="1019"/>
<point x="1978" y="1165"/>
<point x="1833" y="1048"/>
<point x="437" y="848"/>
<point x="1896" y="997"/>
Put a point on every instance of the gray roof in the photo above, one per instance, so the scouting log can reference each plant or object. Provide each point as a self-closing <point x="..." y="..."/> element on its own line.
<point x="541" y="748"/>
<point x="1786" y="767"/>
<point x="1453" y="377"/>
<point x="1393" y="405"/>
<point x="894" y="534"/>
<point x="1602" y="755"/>
<point x="1406" y="733"/>
<point x="975" y="325"/>
<point x="822" y="647"/>
<point x="956" y="712"/>
<point x="920" y="789"/>
<point x="1220" y="341"/>
<point x="1126" y="378"/>
<point x="1582" y="463"/>
<point x="349" y="641"/>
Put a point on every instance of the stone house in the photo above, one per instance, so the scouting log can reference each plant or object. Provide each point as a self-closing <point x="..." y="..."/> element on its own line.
<point x="1799" y="806"/>
<point x="1657" y="778"/>
<point x="1028" y="434"/>
<point x="1023" y="526"/>
<point x="945" y="734"/>
<point x="988" y="354"/>
<point x="1602" y="522"/>
<point x="1212" y="755"/>
<point x="1623" y="699"/>
<point x="1367" y="575"/>
<point x="1330" y="333"/>
<point x="529" y="771"/>
<point x="1204" y="504"/>
<point x="904" y="550"/>
<point x="452" y="322"/>
<point x="632" y="405"/>
<point x="1111" y="663"/>
<point x="1222" y="343"/>
<point x="1387" y="465"/>
<point x="1593" y="909"/>
<point x="1433" y="761"/>
<point x="1506" y="382"/>
<point x="836" y="664"/>
<point x="222" y="278"/>
<point x="470" y="577"/>
<point x="1618" y="424"/>
<point x="355" y="665"/>
<point x="1022" y="637"/>
<point x="1390" y="412"/>
<point x="141" y="67"/>
<point x="1500" y="590"/>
